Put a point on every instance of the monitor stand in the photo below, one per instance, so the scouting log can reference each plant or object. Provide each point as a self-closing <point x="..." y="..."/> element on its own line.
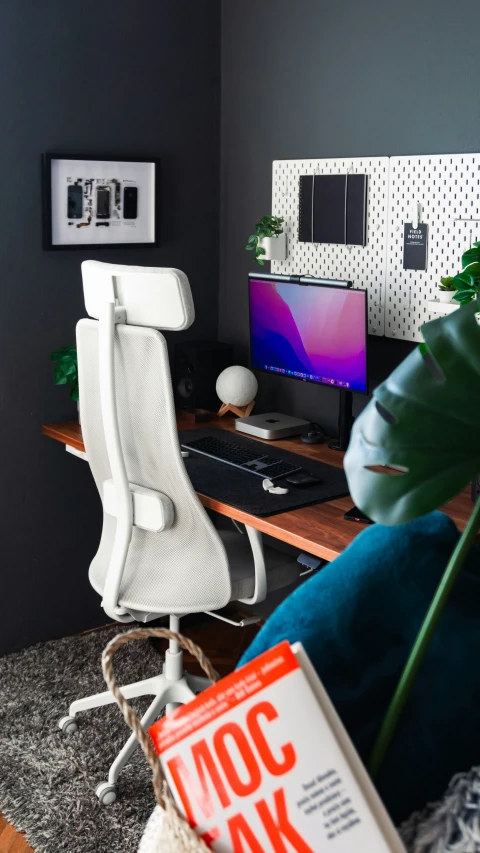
<point x="345" y="421"/>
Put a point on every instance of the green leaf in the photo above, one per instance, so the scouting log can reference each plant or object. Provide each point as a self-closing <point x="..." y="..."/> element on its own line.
<point x="465" y="281"/>
<point x="57" y="355"/>
<point x="473" y="269"/>
<point x="424" y="419"/>
<point x="259" y="261"/>
<point x="464" y="296"/>
<point x="65" y="352"/>
<point x="471" y="255"/>
<point x="261" y="250"/>
<point x="65" y="370"/>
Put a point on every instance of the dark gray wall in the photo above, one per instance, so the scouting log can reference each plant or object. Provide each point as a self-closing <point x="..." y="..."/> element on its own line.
<point x="93" y="77"/>
<point x="313" y="78"/>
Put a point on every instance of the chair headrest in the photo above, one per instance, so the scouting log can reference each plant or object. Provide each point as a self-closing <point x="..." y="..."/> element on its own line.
<point x="156" y="297"/>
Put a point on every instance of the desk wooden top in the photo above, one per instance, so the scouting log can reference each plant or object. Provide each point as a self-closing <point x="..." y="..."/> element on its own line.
<point x="319" y="529"/>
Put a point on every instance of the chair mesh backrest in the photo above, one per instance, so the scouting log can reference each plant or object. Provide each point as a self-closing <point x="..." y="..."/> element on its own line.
<point x="185" y="569"/>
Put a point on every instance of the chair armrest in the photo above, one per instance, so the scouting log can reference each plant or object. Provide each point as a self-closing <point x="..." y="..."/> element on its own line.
<point x="256" y="543"/>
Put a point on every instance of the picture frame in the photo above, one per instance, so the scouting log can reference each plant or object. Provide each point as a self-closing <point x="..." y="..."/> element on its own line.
<point x="100" y="201"/>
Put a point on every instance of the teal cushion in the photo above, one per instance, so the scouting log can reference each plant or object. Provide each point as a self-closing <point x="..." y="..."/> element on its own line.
<point x="358" y="618"/>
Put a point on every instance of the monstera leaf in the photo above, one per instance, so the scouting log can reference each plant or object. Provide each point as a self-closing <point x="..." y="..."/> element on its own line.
<point x="422" y="426"/>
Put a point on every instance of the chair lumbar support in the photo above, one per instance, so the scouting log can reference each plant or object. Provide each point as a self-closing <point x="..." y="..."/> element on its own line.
<point x="152" y="510"/>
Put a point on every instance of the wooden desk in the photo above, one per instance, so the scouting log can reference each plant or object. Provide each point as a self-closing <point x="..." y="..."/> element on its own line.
<point x="319" y="529"/>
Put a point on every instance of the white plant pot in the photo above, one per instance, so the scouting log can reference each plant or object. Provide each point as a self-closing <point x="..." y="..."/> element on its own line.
<point x="446" y="295"/>
<point x="275" y="247"/>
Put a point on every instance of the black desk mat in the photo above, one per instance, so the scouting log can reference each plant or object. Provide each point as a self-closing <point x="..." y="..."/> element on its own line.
<point x="245" y="491"/>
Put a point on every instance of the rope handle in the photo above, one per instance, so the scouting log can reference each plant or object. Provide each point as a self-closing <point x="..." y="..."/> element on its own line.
<point x="162" y="793"/>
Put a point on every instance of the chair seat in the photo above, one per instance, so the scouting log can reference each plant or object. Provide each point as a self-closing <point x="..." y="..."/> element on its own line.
<point x="282" y="570"/>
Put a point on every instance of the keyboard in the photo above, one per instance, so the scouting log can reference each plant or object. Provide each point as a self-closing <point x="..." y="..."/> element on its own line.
<point x="231" y="453"/>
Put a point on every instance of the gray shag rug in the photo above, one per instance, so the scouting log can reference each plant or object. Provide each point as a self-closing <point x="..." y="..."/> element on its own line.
<point x="48" y="779"/>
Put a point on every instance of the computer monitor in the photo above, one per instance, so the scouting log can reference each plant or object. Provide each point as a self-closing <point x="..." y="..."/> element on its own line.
<point x="312" y="332"/>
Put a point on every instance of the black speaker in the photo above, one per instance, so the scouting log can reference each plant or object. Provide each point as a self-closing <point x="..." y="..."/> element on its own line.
<point x="196" y="367"/>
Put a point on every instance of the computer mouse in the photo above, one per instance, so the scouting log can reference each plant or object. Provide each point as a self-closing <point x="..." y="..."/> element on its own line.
<point x="301" y="480"/>
<point x="315" y="435"/>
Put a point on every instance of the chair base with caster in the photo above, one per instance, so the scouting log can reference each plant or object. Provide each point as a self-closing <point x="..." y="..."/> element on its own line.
<point x="173" y="687"/>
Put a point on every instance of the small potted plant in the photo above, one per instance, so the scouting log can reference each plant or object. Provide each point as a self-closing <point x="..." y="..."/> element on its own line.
<point x="65" y="371"/>
<point x="446" y="289"/>
<point x="269" y="241"/>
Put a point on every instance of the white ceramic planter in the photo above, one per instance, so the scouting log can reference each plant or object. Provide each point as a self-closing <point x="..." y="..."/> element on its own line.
<point x="275" y="247"/>
<point x="445" y="295"/>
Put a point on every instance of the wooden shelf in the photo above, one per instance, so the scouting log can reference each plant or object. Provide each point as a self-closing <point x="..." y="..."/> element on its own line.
<point x="436" y="307"/>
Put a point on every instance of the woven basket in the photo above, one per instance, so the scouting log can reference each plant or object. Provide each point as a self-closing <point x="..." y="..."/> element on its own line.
<point x="166" y="831"/>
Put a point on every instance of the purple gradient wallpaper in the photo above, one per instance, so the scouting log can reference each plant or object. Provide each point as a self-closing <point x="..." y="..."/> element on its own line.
<point x="317" y="334"/>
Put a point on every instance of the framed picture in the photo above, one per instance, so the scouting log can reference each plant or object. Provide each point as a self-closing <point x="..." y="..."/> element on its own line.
<point x="100" y="201"/>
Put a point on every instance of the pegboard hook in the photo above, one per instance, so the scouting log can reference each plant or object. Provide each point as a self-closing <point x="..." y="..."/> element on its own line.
<point x="416" y="214"/>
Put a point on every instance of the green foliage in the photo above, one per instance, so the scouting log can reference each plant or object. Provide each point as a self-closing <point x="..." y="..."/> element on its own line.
<point x="423" y="422"/>
<point x="467" y="288"/>
<point x="413" y="448"/>
<point x="447" y="283"/>
<point x="65" y="371"/>
<point x="468" y="281"/>
<point x="267" y="226"/>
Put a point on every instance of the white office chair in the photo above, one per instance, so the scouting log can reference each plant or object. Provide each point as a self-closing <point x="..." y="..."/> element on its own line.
<point x="159" y="553"/>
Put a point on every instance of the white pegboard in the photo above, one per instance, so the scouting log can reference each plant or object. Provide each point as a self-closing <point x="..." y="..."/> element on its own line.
<point x="447" y="187"/>
<point x="365" y="266"/>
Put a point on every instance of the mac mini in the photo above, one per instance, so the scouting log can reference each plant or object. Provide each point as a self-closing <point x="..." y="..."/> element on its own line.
<point x="272" y="425"/>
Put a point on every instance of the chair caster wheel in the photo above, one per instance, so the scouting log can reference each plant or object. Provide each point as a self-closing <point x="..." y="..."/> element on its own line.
<point x="68" y="725"/>
<point x="106" y="793"/>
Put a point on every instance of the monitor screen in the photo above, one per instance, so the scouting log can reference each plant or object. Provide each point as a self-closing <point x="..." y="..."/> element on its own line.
<point x="314" y="333"/>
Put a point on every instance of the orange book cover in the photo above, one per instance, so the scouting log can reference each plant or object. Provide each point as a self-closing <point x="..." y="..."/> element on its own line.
<point x="260" y="762"/>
